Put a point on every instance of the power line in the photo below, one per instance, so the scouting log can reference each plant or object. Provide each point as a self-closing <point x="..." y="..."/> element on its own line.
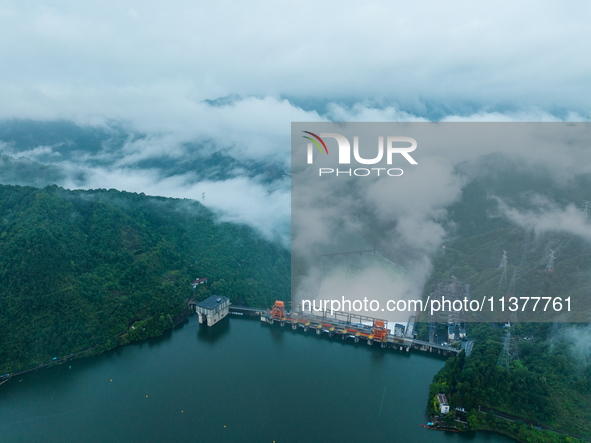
<point x="503" y="265"/>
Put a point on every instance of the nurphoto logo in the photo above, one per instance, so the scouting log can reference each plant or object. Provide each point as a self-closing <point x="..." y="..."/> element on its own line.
<point x="394" y="145"/>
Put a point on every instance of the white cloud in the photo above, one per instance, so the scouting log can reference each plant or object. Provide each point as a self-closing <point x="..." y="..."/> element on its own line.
<point x="578" y="339"/>
<point x="548" y="217"/>
<point x="32" y="154"/>
<point x="150" y="65"/>
<point x="240" y="200"/>
<point x="151" y="60"/>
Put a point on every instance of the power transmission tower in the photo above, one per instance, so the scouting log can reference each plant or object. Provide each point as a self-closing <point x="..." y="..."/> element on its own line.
<point x="503" y="265"/>
<point x="504" y="359"/>
<point x="550" y="265"/>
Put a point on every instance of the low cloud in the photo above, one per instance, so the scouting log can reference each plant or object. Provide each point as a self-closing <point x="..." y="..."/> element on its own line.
<point x="240" y="200"/>
<point x="168" y="155"/>
<point x="578" y="340"/>
<point x="548" y="216"/>
<point x="103" y="60"/>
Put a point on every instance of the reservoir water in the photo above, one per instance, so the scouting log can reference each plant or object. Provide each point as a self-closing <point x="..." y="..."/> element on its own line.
<point x="240" y="381"/>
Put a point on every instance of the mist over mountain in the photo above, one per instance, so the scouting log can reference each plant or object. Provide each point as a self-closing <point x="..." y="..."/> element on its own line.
<point x="469" y="191"/>
<point x="142" y="144"/>
<point x="84" y="157"/>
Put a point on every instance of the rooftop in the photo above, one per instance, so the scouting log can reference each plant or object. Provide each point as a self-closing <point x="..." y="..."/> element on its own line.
<point x="212" y="301"/>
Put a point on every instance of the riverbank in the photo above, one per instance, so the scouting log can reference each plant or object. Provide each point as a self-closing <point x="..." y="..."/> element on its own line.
<point x="489" y="422"/>
<point x="539" y="392"/>
<point x="519" y="429"/>
<point x="145" y="329"/>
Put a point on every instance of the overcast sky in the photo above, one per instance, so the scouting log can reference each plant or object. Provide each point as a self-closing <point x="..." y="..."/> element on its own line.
<point x="151" y="65"/>
<point x="149" y="61"/>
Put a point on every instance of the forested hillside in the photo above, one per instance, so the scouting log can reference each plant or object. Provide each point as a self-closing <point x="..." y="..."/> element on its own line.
<point x="532" y="374"/>
<point x="483" y="232"/>
<point x="547" y="384"/>
<point x="100" y="268"/>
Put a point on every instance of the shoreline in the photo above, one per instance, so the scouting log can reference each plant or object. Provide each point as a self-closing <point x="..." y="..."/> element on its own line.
<point x="522" y="434"/>
<point x="176" y="320"/>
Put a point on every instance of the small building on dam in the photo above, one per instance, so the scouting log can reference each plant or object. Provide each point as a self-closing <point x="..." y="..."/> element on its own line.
<point x="212" y="309"/>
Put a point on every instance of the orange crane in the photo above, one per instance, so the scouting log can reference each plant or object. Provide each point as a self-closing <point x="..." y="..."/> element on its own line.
<point x="278" y="310"/>
<point x="379" y="330"/>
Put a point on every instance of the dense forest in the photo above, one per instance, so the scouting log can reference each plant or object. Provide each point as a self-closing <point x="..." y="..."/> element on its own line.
<point x="96" y="269"/>
<point x="546" y="386"/>
<point x="531" y="379"/>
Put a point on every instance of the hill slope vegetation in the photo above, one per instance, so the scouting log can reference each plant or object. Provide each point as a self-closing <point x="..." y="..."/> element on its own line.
<point x="95" y="269"/>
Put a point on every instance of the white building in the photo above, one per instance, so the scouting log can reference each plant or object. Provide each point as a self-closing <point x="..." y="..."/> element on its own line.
<point x="212" y="309"/>
<point x="443" y="404"/>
